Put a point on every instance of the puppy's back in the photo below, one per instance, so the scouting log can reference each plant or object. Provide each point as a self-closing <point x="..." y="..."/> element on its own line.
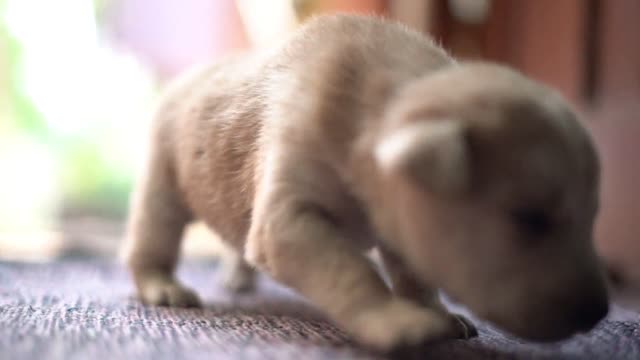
<point x="310" y="94"/>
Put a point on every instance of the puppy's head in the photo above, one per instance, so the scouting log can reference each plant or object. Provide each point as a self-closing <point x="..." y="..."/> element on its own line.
<point x="492" y="185"/>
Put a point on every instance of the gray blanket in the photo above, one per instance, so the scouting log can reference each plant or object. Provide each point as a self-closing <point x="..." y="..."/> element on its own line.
<point x="80" y="309"/>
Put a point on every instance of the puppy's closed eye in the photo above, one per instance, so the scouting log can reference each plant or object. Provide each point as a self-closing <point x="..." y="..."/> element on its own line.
<point x="532" y="221"/>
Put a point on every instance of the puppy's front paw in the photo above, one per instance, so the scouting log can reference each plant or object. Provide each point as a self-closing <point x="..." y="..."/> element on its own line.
<point x="167" y="292"/>
<point x="402" y="323"/>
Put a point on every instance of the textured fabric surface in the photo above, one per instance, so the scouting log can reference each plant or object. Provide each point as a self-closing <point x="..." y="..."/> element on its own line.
<point x="83" y="310"/>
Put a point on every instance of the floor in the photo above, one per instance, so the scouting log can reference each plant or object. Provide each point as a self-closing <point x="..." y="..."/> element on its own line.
<point x="82" y="309"/>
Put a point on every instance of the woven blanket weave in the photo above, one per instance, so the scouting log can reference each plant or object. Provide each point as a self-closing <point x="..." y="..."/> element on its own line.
<point x="83" y="309"/>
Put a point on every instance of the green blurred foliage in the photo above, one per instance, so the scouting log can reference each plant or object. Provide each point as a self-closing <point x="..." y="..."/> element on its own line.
<point x="89" y="180"/>
<point x="23" y="114"/>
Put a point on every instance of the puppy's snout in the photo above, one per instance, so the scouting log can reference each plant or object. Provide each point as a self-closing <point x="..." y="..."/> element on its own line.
<point x="588" y="314"/>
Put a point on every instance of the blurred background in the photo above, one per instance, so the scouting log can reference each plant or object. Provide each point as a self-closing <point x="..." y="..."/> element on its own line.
<point x="78" y="80"/>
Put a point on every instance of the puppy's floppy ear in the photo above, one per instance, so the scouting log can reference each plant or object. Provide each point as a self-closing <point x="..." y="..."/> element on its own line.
<point x="432" y="152"/>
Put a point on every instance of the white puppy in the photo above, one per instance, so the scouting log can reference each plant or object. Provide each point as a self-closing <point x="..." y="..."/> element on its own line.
<point x="359" y="133"/>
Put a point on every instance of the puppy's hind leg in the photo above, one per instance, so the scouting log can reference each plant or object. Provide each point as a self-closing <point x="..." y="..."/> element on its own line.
<point x="154" y="236"/>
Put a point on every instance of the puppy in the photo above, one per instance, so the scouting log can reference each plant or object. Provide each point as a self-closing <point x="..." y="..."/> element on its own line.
<point x="358" y="133"/>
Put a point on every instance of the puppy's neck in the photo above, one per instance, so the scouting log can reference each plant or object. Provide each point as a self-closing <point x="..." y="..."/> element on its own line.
<point x="370" y="185"/>
<point x="374" y="187"/>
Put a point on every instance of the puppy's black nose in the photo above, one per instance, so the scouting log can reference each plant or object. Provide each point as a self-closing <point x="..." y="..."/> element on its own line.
<point x="588" y="314"/>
